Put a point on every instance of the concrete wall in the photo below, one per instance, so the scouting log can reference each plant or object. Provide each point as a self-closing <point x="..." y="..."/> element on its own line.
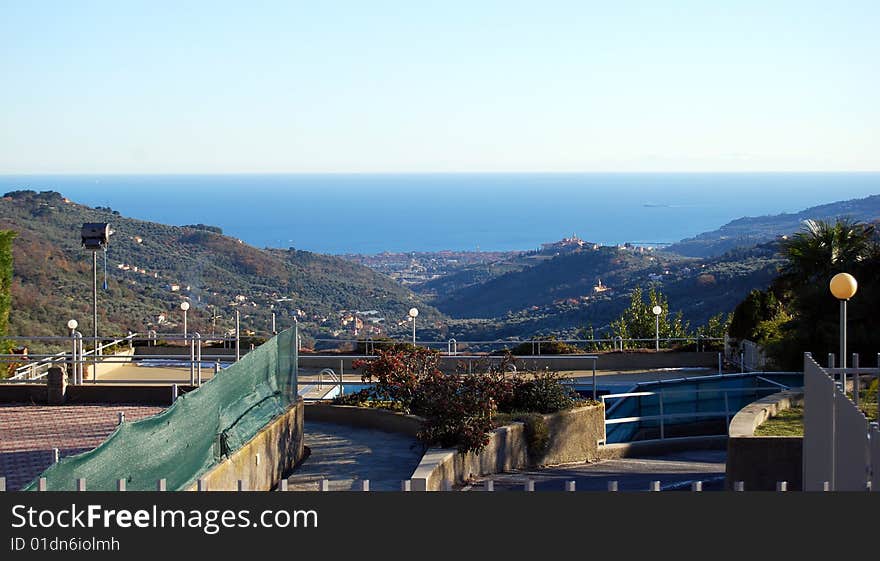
<point x="363" y="417"/>
<point x="120" y="359"/>
<point x="265" y="459"/>
<point x="644" y="360"/>
<point x="658" y="447"/>
<point x="574" y="437"/>
<point x="93" y="393"/>
<point x="183" y="352"/>
<point x="761" y="461"/>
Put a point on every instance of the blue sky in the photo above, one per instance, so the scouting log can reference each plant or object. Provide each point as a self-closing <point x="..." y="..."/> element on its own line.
<point x="380" y="86"/>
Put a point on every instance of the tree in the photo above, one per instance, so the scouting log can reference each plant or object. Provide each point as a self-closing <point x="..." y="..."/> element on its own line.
<point x="638" y="320"/>
<point x="797" y="313"/>
<point x="822" y="249"/>
<point x="6" y="237"/>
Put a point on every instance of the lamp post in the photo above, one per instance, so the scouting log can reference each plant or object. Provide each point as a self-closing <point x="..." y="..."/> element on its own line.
<point x="843" y="287"/>
<point x="184" y="306"/>
<point x="657" y="310"/>
<point x="413" y="314"/>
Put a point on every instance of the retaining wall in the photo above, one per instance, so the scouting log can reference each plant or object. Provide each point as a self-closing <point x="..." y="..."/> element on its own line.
<point x="265" y="459"/>
<point x="93" y="393"/>
<point x="761" y="461"/>
<point x="574" y="437"/>
<point x="364" y="417"/>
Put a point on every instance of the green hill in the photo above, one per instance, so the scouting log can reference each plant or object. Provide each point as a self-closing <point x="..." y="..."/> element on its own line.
<point x="749" y="231"/>
<point x="153" y="267"/>
<point x="550" y="298"/>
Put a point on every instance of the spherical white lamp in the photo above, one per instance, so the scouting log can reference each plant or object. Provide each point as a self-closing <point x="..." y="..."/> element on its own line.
<point x="413" y="313"/>
<point x="657" y="310"/>
<point x="72" y="324"/>
<point x="184" y="306"/>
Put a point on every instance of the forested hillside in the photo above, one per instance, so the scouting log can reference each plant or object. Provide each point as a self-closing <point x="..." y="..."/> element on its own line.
<point x="152" y="268"/>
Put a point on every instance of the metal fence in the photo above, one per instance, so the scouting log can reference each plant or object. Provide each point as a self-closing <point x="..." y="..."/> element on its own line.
<point x="841" y="448"/>
<point x="537" y="346"/>
<point x="406" y="485"/>
<point x="654" y="407"/>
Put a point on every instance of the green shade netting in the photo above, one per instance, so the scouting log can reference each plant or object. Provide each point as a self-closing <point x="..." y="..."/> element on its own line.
<point x="197" y="432"/>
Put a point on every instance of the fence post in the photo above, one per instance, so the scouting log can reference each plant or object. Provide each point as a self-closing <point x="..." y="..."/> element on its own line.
<point x="241" y="485"/>
<point x="81" y="484"/>
<point x="174" y="393"/>
<point x="530" y="485"/>
<point x="162" y="485"/>
<point x="365" y="485"/>
<point x="198" y="342"/>
<point x="283" y="485"/>
<point x="42" y="484"/>
<point x="120" y="418"/>
<point x="612" y="486"/>
<point x="662" y="422"/>
<point x="203" y="485"/>
<point x="237" y="335"/>
<point x="406" y="485"/>
<point x="826" y="486"/>
<point x="192" y="360"/>
<point x="781" y="486"/>
<point x="2" y="484"/>
<point x="856" y="381"/>
<point x="570" y="486"/>
<point x="739" y="486"/>
<point x="324" y="485"/>
<point x="120" y="484"/>
<point x="726" y="411"/>
<point x="73" y="357"/>
<point x="655" y="486"/>
<point x="697" y="486"/>
<point x="56" y="455"/>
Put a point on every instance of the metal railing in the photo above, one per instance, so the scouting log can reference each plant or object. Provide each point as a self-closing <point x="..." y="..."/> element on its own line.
<point x="453" y="345"/>
<point x="77" y="359"/>
<point x="663" y="417"/>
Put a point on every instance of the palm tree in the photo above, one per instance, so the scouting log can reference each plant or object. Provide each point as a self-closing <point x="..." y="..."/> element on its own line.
<point x="822" y="249"/>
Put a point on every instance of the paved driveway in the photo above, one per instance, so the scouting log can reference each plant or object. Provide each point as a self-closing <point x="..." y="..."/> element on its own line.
<point x="346" y="455"/>
<point x="674" y="471"/>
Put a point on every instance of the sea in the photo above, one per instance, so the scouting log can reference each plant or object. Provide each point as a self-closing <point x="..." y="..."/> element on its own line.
<point x="368" y="214"/>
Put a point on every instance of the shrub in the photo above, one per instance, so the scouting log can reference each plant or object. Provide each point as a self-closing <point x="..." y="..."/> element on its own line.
<point x="540" y="392"/>
<point x="549" y="346"/>
<point x="398" y="374"/>
<point x="537" y="434"/>
<point x="459" y="409"/>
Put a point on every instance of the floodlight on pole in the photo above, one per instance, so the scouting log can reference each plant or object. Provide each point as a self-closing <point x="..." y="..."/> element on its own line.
<point x="413" y="314"/>
<point x="657" y="310"/>
<point x="843" y="286"/>
<point x="184" y="306"/>
<point x="95" y="236"/>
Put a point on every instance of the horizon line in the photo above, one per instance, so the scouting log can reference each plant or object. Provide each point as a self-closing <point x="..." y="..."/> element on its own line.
<point x="391" y="173"/>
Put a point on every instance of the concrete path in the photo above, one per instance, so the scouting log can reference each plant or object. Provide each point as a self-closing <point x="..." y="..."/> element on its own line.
<point x="346" y="455"/>
<point x="675" y="471"/>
